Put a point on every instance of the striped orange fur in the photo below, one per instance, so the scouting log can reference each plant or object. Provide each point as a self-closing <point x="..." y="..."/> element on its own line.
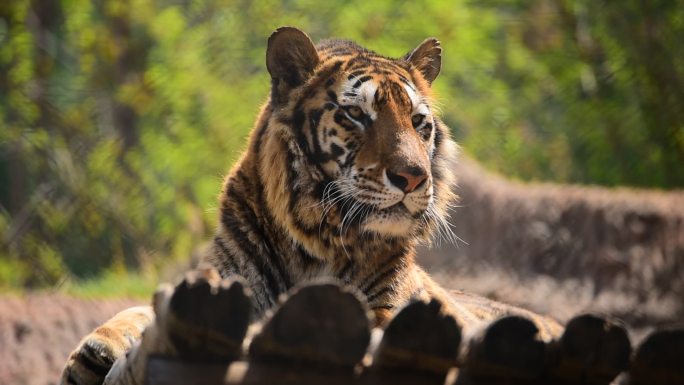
<point x="347" y="170"/>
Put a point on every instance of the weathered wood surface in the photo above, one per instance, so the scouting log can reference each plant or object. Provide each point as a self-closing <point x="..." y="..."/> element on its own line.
<point x="321" y="335"/>
<point x="319" y="324"/>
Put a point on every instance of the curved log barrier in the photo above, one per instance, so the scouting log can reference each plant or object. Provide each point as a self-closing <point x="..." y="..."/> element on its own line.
<point x="324" y="324"/>
<point x="321" y="334"/>
<point x="508" y="351"/>
<point x="419" y="345"/>
<point x="208" y="318"/>
<point x="659" y="360"/>
<point x="592" y="350"/>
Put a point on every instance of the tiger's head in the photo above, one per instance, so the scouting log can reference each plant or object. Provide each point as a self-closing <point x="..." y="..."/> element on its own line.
<point x="378" y="157"/>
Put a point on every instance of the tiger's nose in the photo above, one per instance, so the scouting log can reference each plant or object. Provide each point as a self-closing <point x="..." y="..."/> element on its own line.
<point x="407" y="179"/>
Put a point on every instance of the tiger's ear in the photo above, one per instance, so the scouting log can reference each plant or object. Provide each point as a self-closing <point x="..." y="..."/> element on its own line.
<point x="290" y="59"/>
<point x="426" y="58"/>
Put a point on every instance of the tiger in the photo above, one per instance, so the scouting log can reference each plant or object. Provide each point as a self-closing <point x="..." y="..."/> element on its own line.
<point x="348" y="168"/>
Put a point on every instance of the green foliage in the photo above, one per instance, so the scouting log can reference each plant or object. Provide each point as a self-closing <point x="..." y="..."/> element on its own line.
<point x="118" y="118"/>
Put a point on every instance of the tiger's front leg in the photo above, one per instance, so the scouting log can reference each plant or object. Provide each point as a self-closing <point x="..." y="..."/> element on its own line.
<point x="90" y="362"/>
<point x="204" y="318"/>
<point x="472" y="311"/>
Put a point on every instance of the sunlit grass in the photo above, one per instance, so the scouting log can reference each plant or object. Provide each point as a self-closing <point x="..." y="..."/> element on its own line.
<point x="130" y="284"/>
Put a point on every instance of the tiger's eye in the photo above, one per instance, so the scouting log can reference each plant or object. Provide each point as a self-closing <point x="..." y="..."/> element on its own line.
<point x="417" y="119"/>
<point x="355" y="112"/>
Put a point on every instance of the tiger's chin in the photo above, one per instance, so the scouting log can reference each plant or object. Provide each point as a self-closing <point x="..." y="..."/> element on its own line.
<point x="393" y="222"/>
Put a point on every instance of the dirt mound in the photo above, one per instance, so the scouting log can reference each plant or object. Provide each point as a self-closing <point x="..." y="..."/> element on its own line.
<point x="38" y="331"/>
<point x="567" y="249"/>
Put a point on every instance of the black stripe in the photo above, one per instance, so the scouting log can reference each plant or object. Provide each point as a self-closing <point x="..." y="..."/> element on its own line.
<point x="314" y="85"/>
<point x="379" y="98"/>
<point x="70" y="377"/>
<point x="355" y="74"/>
<point x="286" y="120"/>
<point x="361" y="80"/>
<point x="299" y="115"/>
<point x="292" y="186"/>
<point x="366" y="64"/>
<point x="347" y="267"/>
<point x="265" y="223"/>
<point x="229" y="257"/>
<point x="395" y="269"/>
<point x="438" y="134"/>
<point x="357" y="63"/>
<point x="298" y="119"/>
<point x="269" y="228"/>
<point x="406" y="81"/>
<point x="298" y="126"/>
<point x="339" y="51"/>
<point x="380" y="270"/>
<point x="378" y="293"/>
<point x="387" y="71"/>
<point x="293" y="196"/>
<point x="399" y="93"/>
<point x="250" y="250"/>
<point x="86" y="356"/>
<point x="349" y="158"/>
<point x="307" y="259"/>
<point x="320" y="188"/>
<point x="260" y="135"/>
<point x="335" y="151"/>
<point x="314" y="120"/>
<point x="341" y="119"/>
<point x="263" y="235"/>
<point x="385" y="306"/>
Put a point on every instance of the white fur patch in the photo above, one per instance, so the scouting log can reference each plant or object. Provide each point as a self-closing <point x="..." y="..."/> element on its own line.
<point x="413" y="95"/>
<point x="394" y="226"/>
<point x="364" y="97"/>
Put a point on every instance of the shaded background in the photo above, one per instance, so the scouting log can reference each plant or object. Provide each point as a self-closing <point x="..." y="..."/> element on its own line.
<point x="119" y="118"/>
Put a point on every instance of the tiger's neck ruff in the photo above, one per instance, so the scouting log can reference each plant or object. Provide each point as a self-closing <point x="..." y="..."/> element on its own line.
<point x="347" y="170"/>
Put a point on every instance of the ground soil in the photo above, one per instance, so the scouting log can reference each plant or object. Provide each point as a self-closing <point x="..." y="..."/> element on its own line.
<point x="37" y="332"/>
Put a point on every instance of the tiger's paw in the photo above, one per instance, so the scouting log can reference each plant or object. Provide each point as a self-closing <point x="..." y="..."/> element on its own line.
<point x="90" y="362"/>
<point x="208" y="316"/>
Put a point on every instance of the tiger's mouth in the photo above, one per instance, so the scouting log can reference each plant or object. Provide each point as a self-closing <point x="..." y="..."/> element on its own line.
<point x="395" y="220"/>
<point x="389" y="215"/>
<point x="401" y="208"/>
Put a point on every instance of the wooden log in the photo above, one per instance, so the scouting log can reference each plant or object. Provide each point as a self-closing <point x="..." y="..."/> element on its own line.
<point x="166" y="371"/>
<point x="420" y="338"/>
<point x="174" y="371"/>
<point x="262" y="373"/>
<point x="208" y="317"/>
<point x="659" y="360"/>
<point x="591" y="351"/>
<point x="320" y="324"/>
<point x="508" y="351"/>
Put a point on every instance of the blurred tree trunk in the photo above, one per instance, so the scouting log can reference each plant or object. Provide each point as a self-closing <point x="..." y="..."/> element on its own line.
<point x="130" y="47"/>
<point x="12" y="177"/>
<point x="44" y="20"/>
<point x="662" y="95"/>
